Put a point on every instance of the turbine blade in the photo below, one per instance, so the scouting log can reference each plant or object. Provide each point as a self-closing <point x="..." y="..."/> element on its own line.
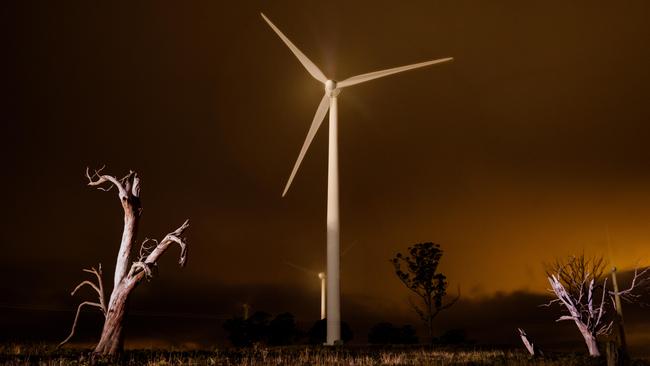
<point x="303" y="269"/>
<point x="315" y="124"/>
<point x="378" y="74"/>
<point x="344" y="252"/>
<point x="306" y="62"/>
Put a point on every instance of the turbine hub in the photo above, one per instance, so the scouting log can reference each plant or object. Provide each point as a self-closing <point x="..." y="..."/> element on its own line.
<point x="330" y="88"/>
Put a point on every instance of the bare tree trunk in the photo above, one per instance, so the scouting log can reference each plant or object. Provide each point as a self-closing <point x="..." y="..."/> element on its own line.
<point x="128" y="188"/>
<point x="128" y="273"/>
<point x="112" y="339"/>
<point x="132" y="211"/>
<point x="583" y="310"/>
<point x="590" y="339"/>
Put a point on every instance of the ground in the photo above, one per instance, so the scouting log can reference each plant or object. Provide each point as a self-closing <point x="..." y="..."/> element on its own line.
<point x="21" y="354"/>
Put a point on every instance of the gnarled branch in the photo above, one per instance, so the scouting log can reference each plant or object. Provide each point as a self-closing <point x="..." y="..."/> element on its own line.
<point x="144" y="266"/>
<point x="76" y="317"/>
<point x="639" y="279"/>
<point x="99" y="288"/>
<point x="127" y="186"/>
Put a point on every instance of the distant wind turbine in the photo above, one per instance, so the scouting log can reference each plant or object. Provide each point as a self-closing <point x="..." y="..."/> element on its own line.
<point x="329" y="102"/>
<point x="322" y="278"/>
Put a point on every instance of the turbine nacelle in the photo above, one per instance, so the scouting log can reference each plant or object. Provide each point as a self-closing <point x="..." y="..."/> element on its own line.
<point x="330" y="88"/>
<point x="330" y="292"/>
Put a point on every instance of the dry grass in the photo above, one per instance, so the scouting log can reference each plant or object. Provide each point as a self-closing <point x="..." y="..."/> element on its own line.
<point x="18" y="354"/>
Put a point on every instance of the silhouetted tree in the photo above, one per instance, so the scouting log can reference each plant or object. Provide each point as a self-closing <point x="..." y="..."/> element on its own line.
<point x="420" y="276"/>
<point x="129" y="272"/>
<point x="282" y="330"/>
<point x="317" y="333"/>
<point x="580" y="287"/>
<point x="387" y="333"/>
<point x="453" y="336"/>
<point x="238" y="333"/>
<point x="245" y="332"/>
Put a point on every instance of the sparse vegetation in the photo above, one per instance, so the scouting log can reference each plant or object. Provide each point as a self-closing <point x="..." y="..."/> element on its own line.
<point x="16" y="354"/>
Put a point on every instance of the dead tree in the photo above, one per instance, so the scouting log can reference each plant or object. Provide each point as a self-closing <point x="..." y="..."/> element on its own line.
<point x="531" y="347"/>
<point x="581" y="290"/>
<point x="128" y="273"/>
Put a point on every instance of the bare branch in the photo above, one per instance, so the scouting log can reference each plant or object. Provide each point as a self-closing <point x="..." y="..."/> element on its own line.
<point x="173" y="237"/>
<point x="76" y="317"/>
<point x="86" y="282"/>
<point x="97" y="180"/>
<point x="146" y="267"/>
<point x="145" y="249"/>
<point x="602" y="303"/>
<point x="99" y="287"/>
<point x="565" y="317"/>
<point x="152" y="258"/>
<point x="638" y="279"/>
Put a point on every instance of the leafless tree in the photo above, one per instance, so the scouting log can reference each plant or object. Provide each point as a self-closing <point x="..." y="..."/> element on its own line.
<point x="531" y="347"/>
<point x="128" y="274"/>
<point x="580" y="288"/>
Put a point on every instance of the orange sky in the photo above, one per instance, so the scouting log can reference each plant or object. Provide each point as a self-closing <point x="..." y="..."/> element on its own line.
<point x="526" y="147"/>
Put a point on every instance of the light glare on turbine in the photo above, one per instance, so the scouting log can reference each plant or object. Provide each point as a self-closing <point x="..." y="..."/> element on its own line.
<point x="329" y="102"/>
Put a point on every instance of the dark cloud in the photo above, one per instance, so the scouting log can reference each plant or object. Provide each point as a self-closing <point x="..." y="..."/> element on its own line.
<point x="166" y="312"/>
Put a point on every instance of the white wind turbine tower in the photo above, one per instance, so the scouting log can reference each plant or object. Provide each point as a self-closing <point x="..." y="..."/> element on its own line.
<point x="329" y="102"/>
<point x="321" y="276"/>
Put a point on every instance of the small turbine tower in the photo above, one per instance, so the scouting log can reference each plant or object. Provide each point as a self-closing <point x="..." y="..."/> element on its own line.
<point x="321" y="277"/>
<point x="329" y="102"/>
<point x="323" y="311"/>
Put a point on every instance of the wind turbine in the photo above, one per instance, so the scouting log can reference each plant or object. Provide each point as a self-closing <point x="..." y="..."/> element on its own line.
<point x="321" y="276"/>
<point x="329" y="102"/>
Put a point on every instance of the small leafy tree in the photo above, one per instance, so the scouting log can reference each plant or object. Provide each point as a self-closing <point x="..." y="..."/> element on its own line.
<point x="418" y="272"/>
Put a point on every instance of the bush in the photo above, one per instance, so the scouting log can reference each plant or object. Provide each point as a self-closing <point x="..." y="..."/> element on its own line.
<point x="244" y="332"/>
<point x="282" y="330"/>
<point x="387" y="333"/>
<point x="317" y="333"/>
<point x="259" y="328"/>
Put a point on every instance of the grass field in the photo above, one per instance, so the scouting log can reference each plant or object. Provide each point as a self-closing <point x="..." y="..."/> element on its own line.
<point x="18" y="354"/>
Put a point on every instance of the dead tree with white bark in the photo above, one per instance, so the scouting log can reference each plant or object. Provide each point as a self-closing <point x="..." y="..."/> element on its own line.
<point x="531" y="347"/>
<point x="128" y="273"/>
<point x="580" y="288"/>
